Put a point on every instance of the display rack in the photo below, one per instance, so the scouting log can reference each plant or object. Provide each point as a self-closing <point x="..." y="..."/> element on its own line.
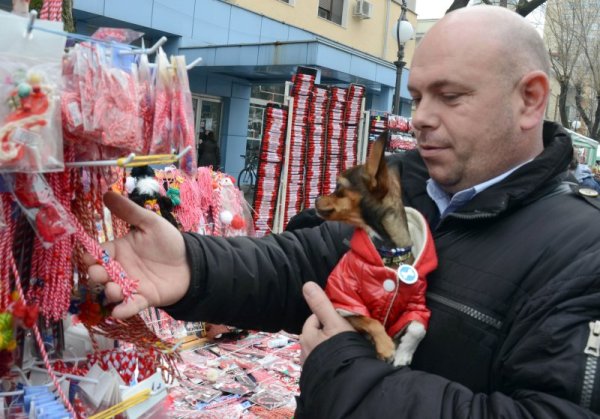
<point x="327" y="137"/>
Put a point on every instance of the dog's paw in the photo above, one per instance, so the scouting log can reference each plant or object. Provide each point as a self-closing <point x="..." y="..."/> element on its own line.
<point x="402" y="358"/>
<point x="385" y="350"/>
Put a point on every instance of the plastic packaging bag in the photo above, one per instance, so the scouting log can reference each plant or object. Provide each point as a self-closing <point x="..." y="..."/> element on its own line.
<point x="183" y="115"/>
<point x="116" y="110"/>
<point x="120" y="35"/>
<point x="30" y="132"/>
<point x="30" y="89"/>
<point x="146" y="83"/>
<point x="161" y="132"/>
<point x="44" y="212"/>
<point x="235" y="217"/>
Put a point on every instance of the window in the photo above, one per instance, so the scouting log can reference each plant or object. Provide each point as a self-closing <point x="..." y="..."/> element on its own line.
<point x="332" y="10"/>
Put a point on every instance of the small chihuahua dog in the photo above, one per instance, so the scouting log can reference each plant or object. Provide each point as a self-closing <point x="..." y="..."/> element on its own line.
<point x="379" y="285"/>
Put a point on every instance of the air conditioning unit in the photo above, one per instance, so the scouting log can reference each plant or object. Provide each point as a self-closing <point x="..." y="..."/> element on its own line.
<point x="363" y="9"/>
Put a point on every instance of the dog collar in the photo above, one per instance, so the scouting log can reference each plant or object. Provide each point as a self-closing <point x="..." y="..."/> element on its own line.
<point x="396" y="255"/>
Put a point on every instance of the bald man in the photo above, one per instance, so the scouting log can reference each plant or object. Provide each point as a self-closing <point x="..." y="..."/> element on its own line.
<point x="515" y="301"/>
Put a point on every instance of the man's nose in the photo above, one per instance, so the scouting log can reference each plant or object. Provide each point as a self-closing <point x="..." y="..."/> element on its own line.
<point x="425" y="115"/>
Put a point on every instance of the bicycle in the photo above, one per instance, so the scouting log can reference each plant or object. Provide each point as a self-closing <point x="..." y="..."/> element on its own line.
<point x="247" y="177"/>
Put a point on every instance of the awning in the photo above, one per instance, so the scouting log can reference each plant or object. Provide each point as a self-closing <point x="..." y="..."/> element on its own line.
<point x="277" y="61"/>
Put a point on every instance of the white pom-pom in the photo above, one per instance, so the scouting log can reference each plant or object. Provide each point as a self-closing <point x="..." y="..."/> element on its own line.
<point x="226" y="217"/>
<point x="148" y="186"/>
<point x="212" y="374"/>
<point x="130" y="184"/>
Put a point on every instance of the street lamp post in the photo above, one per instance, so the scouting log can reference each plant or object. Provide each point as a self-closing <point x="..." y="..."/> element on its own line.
<point x="404" y="32"/>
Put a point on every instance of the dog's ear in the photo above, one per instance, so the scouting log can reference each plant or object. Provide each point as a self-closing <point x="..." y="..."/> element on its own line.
<point x="376" y="167"/>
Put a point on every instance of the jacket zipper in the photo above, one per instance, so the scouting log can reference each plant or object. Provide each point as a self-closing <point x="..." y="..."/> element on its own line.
<point x="472" y="215"/>
<point x="467" y="216"/>
<point x="465" y="309"/>
<point x="592" y="350"/>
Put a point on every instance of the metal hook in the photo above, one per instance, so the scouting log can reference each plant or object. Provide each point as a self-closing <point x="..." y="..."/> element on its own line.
<point x="147" y="51"/>
<point x="183" y="152"/>
<point x="119" y="162"/>
<point x="32" y="16"/>
<point x="194" y="63"/>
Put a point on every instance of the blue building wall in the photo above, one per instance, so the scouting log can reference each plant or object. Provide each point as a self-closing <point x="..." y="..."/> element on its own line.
<point x="205" y="27"/>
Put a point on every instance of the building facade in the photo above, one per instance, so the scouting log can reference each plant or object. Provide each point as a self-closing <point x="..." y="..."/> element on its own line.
<point x="250" y="48"/>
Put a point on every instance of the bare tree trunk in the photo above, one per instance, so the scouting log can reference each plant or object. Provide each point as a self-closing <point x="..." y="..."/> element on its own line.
<point x="582" y="113"/>
<point x="67" y="15"/>
<point x="595" y="133"/>
<point x="525" y="7"/>
<point x="562" y="103"/>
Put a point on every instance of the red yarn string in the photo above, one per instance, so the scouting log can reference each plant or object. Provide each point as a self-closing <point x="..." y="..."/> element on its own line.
<point x="147" y="114"/>
<point x="113" y="268"/>
<point x="205" y="188"/>
<point x="81" y="212"/>
<point x="52" y="10"/>
<point x="189" y="211"/>
<point x="161" y="135"/>
<point x="36" y="331"/>
<point x="97" y="201"/>
<point x="116" y="111"/>
<point x="136" y="331"/>
<point x="219" y="229"/>
<point x="5" y="248"/>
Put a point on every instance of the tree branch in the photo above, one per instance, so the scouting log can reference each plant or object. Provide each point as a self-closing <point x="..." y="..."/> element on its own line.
<point x="525" y="7"/>
<point x="457" y="4"/>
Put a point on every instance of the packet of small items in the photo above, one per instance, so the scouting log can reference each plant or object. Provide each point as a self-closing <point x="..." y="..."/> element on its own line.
<point x="30" y="86"/>
<point x="45" y="213"/>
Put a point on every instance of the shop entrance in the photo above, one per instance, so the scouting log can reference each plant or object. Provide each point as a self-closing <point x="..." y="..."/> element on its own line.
<point x="207" y="113"/>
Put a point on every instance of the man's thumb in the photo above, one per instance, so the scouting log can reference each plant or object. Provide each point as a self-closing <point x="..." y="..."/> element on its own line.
<point x="319" y="303"/>
<point x="127" y="210"/>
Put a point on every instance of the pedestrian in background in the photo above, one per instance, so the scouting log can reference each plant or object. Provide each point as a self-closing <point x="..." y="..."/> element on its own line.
<point x="209" y="153"/>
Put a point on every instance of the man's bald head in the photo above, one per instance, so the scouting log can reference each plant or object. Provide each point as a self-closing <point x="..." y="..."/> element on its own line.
<point x="517" y="46"/>
<point x="479" y="81"/>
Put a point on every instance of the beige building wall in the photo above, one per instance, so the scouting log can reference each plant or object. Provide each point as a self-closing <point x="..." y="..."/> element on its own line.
<point x="372" y="36"/>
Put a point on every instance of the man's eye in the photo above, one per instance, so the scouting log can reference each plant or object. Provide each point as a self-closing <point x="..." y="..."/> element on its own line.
<point x="416" y="101"/>
<point x="451" y="97"/>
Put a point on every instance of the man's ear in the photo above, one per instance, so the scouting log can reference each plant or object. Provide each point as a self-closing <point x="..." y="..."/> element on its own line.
<point x="533" y="90"/>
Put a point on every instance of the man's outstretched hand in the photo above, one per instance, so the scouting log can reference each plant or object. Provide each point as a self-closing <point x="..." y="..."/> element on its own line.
<point x="324" y="323"/>
<point x="153" y="252"/>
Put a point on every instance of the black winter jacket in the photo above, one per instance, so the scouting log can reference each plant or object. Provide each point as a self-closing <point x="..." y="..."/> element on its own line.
<point x="517" y="287"/>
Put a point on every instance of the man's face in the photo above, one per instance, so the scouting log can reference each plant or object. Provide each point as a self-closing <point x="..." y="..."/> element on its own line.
<point x="466" y="110"/>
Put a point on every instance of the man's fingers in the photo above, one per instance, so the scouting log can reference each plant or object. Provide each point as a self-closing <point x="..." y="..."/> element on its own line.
<point x="127" y="210"/>
<point x="90" y="259"/>
<point x="132" y="307"/>
<point x="310" y="324"/>
<point x="321" y="306"/>
<point x="98" y="274"/>
<point x="113" y="292"/>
